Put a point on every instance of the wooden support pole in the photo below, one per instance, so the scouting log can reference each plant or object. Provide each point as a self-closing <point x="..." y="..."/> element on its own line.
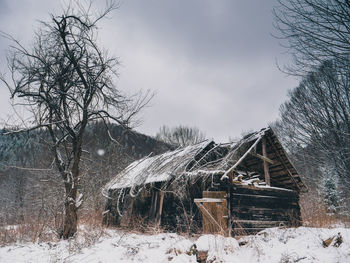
<point x="229" y="201"/>
<point x="153" y="209"/>
<point x="160" y="208"/>
<point x="266" y="164"/>
<point x="127" y="211"/>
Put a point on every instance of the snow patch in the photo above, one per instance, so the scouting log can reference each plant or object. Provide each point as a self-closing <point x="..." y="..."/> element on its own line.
<point x="273" y="245"/>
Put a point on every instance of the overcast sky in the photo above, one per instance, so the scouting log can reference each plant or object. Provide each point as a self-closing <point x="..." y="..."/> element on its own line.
<point x="211" y="63"/>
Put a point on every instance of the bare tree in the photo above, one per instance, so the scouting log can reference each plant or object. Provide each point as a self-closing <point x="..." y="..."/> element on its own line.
<point x="66" y="81"/>
<point x="180" y="135"/>
<point x="317" y="115"/>
<point x="315" y="31"/>
<point x="315" y="119"/>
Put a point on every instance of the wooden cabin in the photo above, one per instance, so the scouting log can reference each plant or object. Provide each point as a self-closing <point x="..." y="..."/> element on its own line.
<point x="234" y="189"/>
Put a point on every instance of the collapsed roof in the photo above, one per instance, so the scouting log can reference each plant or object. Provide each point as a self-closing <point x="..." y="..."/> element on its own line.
<point x="208" y="158"/>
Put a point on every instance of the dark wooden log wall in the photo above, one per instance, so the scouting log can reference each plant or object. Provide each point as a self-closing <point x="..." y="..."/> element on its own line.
<point x="254" y="209"/>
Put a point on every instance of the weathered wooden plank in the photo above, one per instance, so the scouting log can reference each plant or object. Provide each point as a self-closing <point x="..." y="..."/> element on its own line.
<point x="209" y="200"/>
<point x="287" y="195"/>
<point x="267" y="197"/>
<point x="262" y="157"/>
<point x="253" y="209"/>
<point x="257" y="222"/>
<point x="266" y="164"/>
<point x="245" y="200"/>
<point x="261" y="211"/>
<point x="279" y="169"/>
<point x="286" y="183"/>
<point x="214" y="194"/>
<point x="282" y="177"/>
<point x="272" y="189"/>
<point x="272" y="203"/>
<point x="264" y="191"/>
<point x="259" y="201"/>
<point x="264" y="216"/>
<point x="252" y="160"/>
<point x="289" y="185"/>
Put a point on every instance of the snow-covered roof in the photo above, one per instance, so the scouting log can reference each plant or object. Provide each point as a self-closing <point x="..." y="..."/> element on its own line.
<point x="157" y="168"/>
<point x="208" y="158"/>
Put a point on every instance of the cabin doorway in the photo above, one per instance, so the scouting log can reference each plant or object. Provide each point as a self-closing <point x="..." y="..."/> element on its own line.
<point x="213" y="207"/>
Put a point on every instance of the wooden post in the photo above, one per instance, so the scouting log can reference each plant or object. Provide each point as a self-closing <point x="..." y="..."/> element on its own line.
<point x="153" y="208"/>
<point x="160" y="208"/>
<point x="229" y="221"/>
<point x="127" y="211"/>
<point x="266" y="165"/>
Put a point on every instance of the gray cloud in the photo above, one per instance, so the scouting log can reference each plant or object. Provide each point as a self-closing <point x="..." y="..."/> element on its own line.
<point x="206" y="30"/>
<point x="212" y="63"/>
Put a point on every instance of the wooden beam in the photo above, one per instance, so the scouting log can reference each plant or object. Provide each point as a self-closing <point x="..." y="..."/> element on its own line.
<point x="266" y="165"/>
<point x="208" y="200"/>
<point x="264" y="158"/>
<point x="241" y="159"/>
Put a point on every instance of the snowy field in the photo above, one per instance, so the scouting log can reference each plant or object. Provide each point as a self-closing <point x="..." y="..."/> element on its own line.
<point x="273" y="245"/>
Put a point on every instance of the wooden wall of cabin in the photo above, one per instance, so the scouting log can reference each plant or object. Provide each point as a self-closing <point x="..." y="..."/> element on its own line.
<point x="178" y="212"/>
<point x="252" y="208"/>
<point x="110" y="215"/>
<point x="255" y="208"/>
<point x="135" y="211"/>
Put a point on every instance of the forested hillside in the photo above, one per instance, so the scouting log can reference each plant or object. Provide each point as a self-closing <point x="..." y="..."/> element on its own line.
<point x="30" y="186"/>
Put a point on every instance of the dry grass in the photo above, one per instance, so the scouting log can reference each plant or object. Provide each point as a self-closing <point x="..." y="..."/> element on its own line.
<point x="139" y="224"/>
<point x="31" y="230"/>
<point x="314" y="213"/>
<point x="37" y="228"/>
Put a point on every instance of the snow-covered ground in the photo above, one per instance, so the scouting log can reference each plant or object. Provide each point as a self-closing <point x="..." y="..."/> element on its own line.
<point x="302" y="244"/>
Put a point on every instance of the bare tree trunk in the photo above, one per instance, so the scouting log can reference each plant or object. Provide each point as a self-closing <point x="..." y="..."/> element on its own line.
<point x="71" y="217"/>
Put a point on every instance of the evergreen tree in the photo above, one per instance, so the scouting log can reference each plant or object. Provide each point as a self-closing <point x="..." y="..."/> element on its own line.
<point x="333" y="196"/>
